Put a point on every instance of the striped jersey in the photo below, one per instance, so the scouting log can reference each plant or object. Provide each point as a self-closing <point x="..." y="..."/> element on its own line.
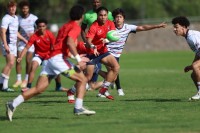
<point x="193" y="40"/>
<point x="27" y="25"/>
<point x="116" y="48"/>
<point x="11" y="24"/>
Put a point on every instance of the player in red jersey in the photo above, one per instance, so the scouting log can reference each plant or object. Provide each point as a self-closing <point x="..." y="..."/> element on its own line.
<point x="58" y="64"/>
<point x="99" y="53"/>
<point x="43" y="41"/>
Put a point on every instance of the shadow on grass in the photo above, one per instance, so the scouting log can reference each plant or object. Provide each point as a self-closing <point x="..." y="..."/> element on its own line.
<point x="155" y="100"/>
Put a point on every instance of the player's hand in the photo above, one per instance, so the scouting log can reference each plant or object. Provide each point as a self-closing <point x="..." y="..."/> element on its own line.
<point x="187" y="68"/>
<point x="7" y="49"/>
<point x="96" y="53"/>
<point x="162" y="25"/>
<point x="81" y="66"/>
<point x="84" y="58"/>
<point x="19" y="60"/>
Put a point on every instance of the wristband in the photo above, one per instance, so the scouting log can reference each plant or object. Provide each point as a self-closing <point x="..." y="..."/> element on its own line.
<point x="106" y="40"/>
<point x="92" y="46"/>
<point x="78" y="58"/>
<point x="71" y="56"/>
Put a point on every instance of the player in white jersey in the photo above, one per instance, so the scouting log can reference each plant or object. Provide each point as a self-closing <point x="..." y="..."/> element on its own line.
<point x="181" y="28"/>
<point x="9" y="35"/>
<point x="116" y="48"/>
<point x="26" y="29"/>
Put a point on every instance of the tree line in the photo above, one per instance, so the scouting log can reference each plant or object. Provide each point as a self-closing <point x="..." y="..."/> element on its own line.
<point x="56" y="11"/>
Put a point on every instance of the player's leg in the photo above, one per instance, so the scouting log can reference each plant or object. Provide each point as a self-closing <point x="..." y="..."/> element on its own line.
<point x="29" y="57"/>
<point x="34" y="65"/>
<point x="111" y="62"/>
<point x="18" y="72"/>
<point x="196" y="70"/>
<point x="42" y="84"/>
<point x="58" y="84"/>
<point x="10" y="61"/>
<point x="81" y="81"/>
<point x="118" y="85"/>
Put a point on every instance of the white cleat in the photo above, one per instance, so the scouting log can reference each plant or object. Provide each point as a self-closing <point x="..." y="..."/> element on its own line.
<point x="100" y="95"/>
<point x="120" y="92"/>
<point x="83" y="111"/>
<point x="195" y="97"/>
<point x="9" y="110"/>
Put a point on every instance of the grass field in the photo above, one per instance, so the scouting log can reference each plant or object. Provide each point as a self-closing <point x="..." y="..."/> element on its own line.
<point x="156" y="101"/>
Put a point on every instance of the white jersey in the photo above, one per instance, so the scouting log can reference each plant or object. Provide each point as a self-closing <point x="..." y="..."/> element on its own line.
<point x="27" y="25"/>
<point x="193" y="39"/>
<point x="116" y="48"/>
<point x="11" y="24"/>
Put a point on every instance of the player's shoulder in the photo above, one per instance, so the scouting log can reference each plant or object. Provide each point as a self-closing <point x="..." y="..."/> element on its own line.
<point x="33" y="16"/>
<point x="193" y="33"/>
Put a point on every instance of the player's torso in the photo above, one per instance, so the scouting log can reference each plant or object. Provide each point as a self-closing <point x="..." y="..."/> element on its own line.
<point x="12" y="29"/>
<point x="193" y="40"/>
<point x="27" y="25"/>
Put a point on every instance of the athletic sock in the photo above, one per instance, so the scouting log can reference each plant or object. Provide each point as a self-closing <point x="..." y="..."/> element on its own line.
<point x="78" y="103"/>
<point x="117" y="82"/>
<point x="18" y="100"/>
<point x="26" y="77"/>
<point x="5" y="82"/>
<point x="19" y="77"/>
<point x="106" y="84"/>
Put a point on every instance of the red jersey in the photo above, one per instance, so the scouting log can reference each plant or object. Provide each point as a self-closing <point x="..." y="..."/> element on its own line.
<point x="42" y="43"/>
<point x="70" y="29"/>
<point x="97" y="32"/>
<point x="81" y="48"/>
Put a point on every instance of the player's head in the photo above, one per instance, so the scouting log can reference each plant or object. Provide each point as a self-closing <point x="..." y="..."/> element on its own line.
<point x="96" y="4"/>
<point x="41" y="24"/>
<point x="119" y="16"/>
<point x="24" y="7"/>
<point x="181" y="25"/>
<point x="102" y="14"/>
<point x="76" y="12"/>
<point x="12" y="7"/>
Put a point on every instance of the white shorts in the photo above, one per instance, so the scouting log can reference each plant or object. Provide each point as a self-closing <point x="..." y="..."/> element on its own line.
<point x="56" y="65"/>
<point x="13" y="49"/>
<point x="22" y="45"/>
<point x="37" y="59"/>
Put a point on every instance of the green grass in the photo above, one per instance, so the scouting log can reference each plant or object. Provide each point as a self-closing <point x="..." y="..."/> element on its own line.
<point x="156" y="101"/>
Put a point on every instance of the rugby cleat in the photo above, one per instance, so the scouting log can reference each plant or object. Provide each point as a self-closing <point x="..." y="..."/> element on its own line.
<point x="83" y="111"/>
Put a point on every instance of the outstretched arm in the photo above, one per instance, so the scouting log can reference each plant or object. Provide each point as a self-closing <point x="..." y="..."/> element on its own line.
<point x="151" y="27"/>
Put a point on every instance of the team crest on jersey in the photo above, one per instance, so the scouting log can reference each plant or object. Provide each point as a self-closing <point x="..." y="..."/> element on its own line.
<point x="99" y="32"/>
<point x="38" y="41"/>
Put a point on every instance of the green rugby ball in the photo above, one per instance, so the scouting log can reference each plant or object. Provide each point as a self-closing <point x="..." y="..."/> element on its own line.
<point x="113" y="35"/>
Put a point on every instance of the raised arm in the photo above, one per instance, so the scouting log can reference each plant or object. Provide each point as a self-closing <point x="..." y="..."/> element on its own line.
<point x="151" y="27"/>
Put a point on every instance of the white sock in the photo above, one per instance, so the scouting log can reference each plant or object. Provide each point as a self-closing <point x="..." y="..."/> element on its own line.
<point x="26" y="77"/>
<point x="19" y="77"/>
<point x="5" y="82"/>
<point x="106" y="84"/>
<point x="78" y="103"/>
<point x="18" y="100"/>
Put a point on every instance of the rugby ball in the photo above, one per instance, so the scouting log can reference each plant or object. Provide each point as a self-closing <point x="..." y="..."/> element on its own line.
<point x="113" y="35"/>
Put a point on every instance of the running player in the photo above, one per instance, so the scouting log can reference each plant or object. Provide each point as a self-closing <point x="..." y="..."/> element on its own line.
<point x="58" y="64"/>
<point x="181" y="28"/>
<point x="9" y="35"/>
<point x="99" y="53"/>
<point x="116" y="48"/>
<point x="43" y="41"/>
<point x="26" y="29"/>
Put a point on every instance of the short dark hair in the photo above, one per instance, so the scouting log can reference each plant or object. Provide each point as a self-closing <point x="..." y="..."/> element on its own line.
<point x="101" y="8"/>
<point x="182" y="20"/>
<point x="41" y="20"/>
<point x="24" y="3"/>
<point x="117" y="12"/>
<point x="76" y="12"/>
<point x="11" y="3"/>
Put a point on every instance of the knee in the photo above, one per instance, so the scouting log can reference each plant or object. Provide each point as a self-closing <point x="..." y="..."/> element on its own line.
<point x="195" y="66"/>
<point x="116" y="67"/>
<point x="11" y="64"/>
